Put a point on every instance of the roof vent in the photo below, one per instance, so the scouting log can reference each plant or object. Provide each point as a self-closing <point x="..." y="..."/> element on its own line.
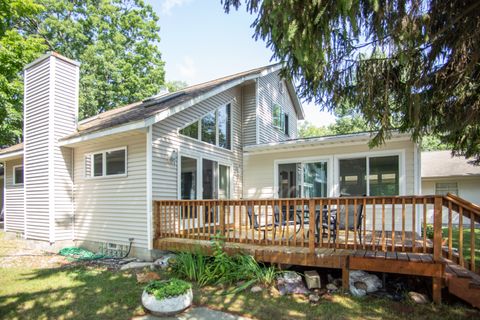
<point x="162" y="98"/>
<point x="163" y="92"/>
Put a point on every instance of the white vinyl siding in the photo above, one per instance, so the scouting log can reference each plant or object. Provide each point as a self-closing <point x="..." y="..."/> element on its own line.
<point x="14" y="200"/>
<point x="269" y="95"/>
<point x="259" y="178"/>
<point x="37" y="183"/>
<point x="51" y="88"/>
<point x="249" y="114"/>
<point x="113" y="208"/>
<point x="168" y="145"/>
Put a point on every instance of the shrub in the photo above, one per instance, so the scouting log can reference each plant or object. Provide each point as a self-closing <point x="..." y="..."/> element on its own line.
<point x="167" y="288"/>
<point x="429" y="231"/>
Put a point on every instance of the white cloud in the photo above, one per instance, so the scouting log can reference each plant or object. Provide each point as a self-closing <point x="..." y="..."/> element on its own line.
<point x="187" y="69"/>
<point x="168" y="5"/>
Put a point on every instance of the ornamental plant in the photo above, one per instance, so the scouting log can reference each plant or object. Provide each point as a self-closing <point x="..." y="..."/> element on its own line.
<point x="163" y="289"/>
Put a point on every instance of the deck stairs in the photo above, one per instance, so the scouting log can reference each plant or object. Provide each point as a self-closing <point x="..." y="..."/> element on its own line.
<point x="462" y="283"/>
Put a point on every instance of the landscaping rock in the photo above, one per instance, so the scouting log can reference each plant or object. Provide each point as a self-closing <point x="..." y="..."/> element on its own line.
<point x="136" y="265"/>
<point x="146" y="277"/>
<point x="291" y="283"/>
<point x="337" y="282"/>
<point x="312" y="278"/>
<point x="162" y="262"/>
<point x="256" y="289"/>
<point x="365" y="283"/>
<point x="313" y="298"/>
<point x="418" y="298"/>
<point x="332" y="287"/>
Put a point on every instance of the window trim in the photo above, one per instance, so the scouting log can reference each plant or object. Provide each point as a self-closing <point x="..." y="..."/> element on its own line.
<point x="284" y="115"/>
<point x="104" y="164"/>
<point x="14" y="175"/>
<point x="402" y="187"/>
<point x="199" y="133"/>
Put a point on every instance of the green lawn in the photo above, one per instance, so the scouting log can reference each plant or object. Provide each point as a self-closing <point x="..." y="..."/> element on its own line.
<point x="466" y="242"/>
<point x="65" y="291"/>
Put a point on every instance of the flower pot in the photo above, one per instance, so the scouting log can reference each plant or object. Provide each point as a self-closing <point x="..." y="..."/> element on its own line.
<point x="168" y="306"/>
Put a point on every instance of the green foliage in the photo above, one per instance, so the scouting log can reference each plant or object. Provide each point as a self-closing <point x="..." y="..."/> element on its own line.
<point x="163" y="289"/>
<point x="428" y="231"/>
<point x="433" y="143"/>
<point x="116" y="42"/>
<point x="411" y="65"/>
<point x="221" y="268"/>
<point x="343" y="125"/>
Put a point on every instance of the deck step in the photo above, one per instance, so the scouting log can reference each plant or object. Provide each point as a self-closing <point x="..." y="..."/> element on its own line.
<point x="463" y="283"/>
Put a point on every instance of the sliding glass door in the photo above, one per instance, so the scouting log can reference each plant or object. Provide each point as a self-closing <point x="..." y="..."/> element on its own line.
<point x="302" y="179"/>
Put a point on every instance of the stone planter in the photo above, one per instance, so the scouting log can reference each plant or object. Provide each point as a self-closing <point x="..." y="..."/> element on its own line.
<point x="168" y="306"/>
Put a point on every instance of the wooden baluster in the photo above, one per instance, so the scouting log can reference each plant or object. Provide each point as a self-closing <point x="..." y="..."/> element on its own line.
<point x="403" y="224"/>
<point x="450" y="231"/>
<point x="384" y="240"/>
<point x="414" y="232"/>
<point x="472" y="242"/>
<point x="339" y="213"/>
<point x="295" y="203"/>
<point x="280" y="219"/>
<point x="424" y="225"/>
<point x="303" y="221"/>
<point x="287" y="223"/>
<point x="329" y="219"/>
<point x="346" y="224"/>
<point x="460" y="237"/>
<point x="252" y="205"/>
<point x="374" y="221"/>
<point x="311" y="234"/>
<point x="364" y="219"/>
<point x="179" y="206"/>
<point x="355" y="224"/>
<point x="274" y="228"/>
<point x="393" y="225"/>
<point x="222" y="219"/>
<point x="437" y="229"/>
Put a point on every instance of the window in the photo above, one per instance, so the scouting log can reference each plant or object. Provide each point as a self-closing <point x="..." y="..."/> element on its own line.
<point x="18" y="175"/>
<point x="280" y="119"/>
<point x="442" y="188"/>
<point x="303" y="179"/>
<point x="383" y="178"/>
<point x="213" y="128"/>
<point x="106" y="163"/>
<point x="223" y="182"/>
<point x="188" y="178"/>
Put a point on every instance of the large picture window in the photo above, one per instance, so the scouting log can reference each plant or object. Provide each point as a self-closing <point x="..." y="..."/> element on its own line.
<point x="373" y="176"/>
<point x="106" y="163"/>
<point x="302" y="179"/>
<point x="213" y="128"/>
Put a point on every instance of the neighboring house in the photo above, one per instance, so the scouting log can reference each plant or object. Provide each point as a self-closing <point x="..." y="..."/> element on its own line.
<point x="94" y="181"/>
<point x="442" y="174"/>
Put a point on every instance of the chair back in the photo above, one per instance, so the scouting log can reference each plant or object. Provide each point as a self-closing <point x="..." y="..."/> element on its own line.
<point x="351" y="215"/>
<point x="252" y="218"/>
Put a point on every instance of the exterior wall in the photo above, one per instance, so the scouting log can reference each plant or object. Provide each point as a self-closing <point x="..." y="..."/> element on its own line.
<point x="166" y="141"/>
<point x="37" y="150"/>
<point x="2" y="187"/>
<point x="268" y="95"/>
<point x="14" y="200"/>
<point x="112" y="209"/>
<point x="249" y="99"/>
<point x="259" y="178"/>
<point x="468" y="189"/>
<point x="51" y="90"/>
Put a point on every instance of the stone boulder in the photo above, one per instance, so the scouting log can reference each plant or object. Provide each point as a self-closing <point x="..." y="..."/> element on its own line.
<point x="169" y="306"/>
<point x="291" y="283"/>
<point x="163" y="261"/>
<point x="362" y="283"/>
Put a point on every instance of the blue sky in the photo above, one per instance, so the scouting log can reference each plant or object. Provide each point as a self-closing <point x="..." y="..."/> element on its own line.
<point x="199" y="42"/>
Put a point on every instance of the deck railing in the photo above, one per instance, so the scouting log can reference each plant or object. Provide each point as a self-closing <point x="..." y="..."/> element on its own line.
<point x="375" y="224"/>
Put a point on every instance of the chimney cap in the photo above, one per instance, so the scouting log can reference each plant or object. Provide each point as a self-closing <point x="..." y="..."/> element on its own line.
<point x="47" y="55"/>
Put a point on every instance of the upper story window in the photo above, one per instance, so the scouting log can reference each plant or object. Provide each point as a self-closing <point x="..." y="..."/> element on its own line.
<point x="106" y="163"/>
<point x="214" y="128"/>
<point x="280" y="119"/>
<point x="18" y="174"/>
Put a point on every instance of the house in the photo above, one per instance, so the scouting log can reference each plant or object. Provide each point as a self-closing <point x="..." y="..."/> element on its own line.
<point x="442" y="174"/>
<point x="223" y="157"/>
<point x="93" y="181"/>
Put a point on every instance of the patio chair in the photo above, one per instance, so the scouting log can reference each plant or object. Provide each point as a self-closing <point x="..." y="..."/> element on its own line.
<point x="254" y="221"/>
<point x="332" y="227"/>
<point x="289" y="218"/>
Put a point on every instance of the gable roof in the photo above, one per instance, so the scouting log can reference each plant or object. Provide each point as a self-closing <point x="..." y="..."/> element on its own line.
<point x="12" y="151"/>
<point x="438" y="164"/>
<point x="154" y="109"/>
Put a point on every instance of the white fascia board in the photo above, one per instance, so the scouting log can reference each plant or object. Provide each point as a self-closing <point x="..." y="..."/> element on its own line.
<point x="11" y="155"/>
<point x="353" y="139"/>
<point x="149" y="186"/>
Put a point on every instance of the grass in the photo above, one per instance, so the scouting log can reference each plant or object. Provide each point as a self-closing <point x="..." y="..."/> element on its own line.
<point x="82" y="292"/>
<point x="466" y="242"/>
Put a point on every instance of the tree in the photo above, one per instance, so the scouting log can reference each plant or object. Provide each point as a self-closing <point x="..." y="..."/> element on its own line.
<point x="343" y="125"/>
<point x="412" y="65"/>
<point x="116" y="42"/>
<point x="16" y="50"/>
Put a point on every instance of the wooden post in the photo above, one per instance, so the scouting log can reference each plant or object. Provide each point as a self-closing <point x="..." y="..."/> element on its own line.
<point x="346" y="274"/>
<point x="222" y="218"/>
<point x="437" y="247"/>
<point x="311" y="226"/>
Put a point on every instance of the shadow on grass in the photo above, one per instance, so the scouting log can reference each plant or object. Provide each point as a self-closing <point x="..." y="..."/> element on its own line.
<point x="68" y="292"/>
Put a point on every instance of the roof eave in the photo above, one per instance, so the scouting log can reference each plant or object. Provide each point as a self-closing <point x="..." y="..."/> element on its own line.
<point x="11" y="155"/>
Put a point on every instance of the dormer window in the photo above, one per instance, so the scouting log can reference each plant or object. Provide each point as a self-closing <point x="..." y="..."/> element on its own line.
<point x="213" y="128"/>
<point x="280" y="119"/>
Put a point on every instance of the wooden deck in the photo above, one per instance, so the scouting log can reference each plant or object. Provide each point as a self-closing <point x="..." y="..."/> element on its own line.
<point x="386" y="236"/>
